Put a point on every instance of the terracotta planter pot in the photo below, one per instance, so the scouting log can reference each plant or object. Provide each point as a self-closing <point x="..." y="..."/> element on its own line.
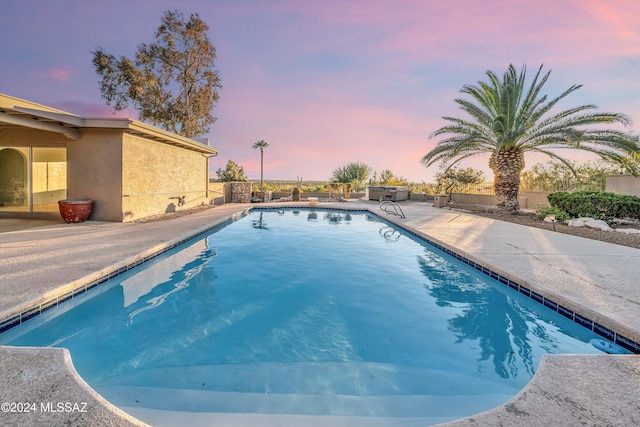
<point x="75" y="210"/>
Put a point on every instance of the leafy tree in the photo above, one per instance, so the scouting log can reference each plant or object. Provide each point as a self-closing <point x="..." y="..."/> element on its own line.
<point x="172" y="82"/>
<point x="355" y="174"/>
<point x="387" y="177"/>
<point x="510" y="119"/>
<point x="232" y="172"/>
<point x="453" y="179"/>
<point x="261" y="145"/>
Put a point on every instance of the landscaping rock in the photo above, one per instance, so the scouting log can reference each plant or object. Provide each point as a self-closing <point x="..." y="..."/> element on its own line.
<point x="596" y="224"/>
<point x="628" y="230"/>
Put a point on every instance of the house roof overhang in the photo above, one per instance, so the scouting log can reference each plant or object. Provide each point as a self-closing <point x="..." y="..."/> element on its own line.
<point x="22" y="113"/>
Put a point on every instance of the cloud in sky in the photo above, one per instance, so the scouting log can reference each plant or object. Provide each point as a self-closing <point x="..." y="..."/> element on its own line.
<point x="58" y="74"/>
<point x="331" y="82"/>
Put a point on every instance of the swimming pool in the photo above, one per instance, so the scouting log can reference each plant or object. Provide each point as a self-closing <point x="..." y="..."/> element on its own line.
<point x="305" y="313"/>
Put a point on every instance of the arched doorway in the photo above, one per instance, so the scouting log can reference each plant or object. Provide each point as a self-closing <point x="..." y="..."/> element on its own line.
<point x="13" y="178"/>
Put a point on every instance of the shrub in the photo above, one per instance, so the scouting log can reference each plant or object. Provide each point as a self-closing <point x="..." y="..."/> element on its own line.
<point x="596" y="204"/>
<point x="545" y="211"/>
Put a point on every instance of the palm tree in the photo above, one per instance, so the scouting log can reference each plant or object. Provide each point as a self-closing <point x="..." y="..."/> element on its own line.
<point x="261" y="145"/>
<point x="354" y="173"/>
<point x="510" y="119"/>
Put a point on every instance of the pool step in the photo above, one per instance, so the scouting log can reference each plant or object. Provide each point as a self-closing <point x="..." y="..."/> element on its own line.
<point x="164" y="418"/>
<point x="336" y="389"/>
<point x="295" y="403"/>
<point x="345" y="378"/>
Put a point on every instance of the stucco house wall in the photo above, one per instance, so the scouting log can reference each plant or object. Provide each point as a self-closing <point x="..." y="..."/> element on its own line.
<point x="94" y="171"/>
<point x="24" y="137"/>
<point x="156" y="175"/>
<point x="129" y="169"/>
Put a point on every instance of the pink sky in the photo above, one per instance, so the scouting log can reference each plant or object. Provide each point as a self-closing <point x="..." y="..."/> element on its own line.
<point x="327" y="82"/>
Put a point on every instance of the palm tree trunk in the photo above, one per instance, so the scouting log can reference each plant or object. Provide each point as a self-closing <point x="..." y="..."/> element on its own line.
<point x="261" y="170"/>
<point x="506" y="167"/>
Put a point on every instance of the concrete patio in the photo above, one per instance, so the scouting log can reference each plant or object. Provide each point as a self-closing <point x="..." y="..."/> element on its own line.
<point x="596" y="280"/>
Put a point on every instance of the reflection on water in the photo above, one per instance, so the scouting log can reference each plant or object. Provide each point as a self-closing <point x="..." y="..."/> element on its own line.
<point x="177" y="270"/>
<point x="165" y="270"/>
<point x="494" y="319"/>
<point x="259" y="223"/>
<point x="390" y="234"/>
<point x="337" y="217"/>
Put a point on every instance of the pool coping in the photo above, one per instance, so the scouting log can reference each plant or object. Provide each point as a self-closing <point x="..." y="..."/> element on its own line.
<point x="78" y="287"/>
<point x="51" y="392"/>
<point x="555" y="302"/>
<point x="63" y="294"/>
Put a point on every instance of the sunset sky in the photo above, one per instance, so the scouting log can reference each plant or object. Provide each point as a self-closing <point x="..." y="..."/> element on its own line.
<point x="330" y="82"/>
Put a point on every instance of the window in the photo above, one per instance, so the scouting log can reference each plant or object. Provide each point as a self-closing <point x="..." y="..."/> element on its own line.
<point x="32" y="179"/>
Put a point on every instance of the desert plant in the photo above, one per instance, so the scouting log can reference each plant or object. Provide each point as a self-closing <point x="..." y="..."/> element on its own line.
<point x="387" y="177"/>
<point x="596" y="204"/>
<point x="545" y="211"/>
<point x="232" y="172"/>
<point x="354" y="175"/>
<point x="456" y="179"/>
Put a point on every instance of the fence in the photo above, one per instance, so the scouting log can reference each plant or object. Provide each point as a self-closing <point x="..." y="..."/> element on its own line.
<point x="217" y="192"/>
<point x="527" y="186"/>
<point x="568" y="185"/>
<point x="533" y="195"/>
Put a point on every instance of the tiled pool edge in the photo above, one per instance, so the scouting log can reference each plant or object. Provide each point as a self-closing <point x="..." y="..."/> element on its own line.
<point x="570" y="314"/>
<point x="81" y="286"/>
<point x="573" y="315"/>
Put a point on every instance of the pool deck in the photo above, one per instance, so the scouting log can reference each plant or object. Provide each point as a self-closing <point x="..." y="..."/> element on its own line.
<point x="40" y="261"/>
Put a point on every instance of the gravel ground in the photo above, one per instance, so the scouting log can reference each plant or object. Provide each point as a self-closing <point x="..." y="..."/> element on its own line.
<point x="532" y="220"/>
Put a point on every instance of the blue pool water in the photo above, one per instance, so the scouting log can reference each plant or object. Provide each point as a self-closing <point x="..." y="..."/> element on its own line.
<point x="301" y="317"/>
